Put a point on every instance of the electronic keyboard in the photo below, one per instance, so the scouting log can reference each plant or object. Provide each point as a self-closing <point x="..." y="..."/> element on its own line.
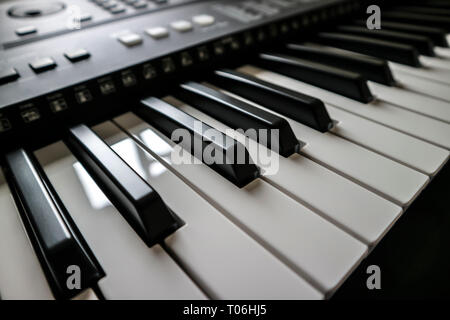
<point x="241" y="149"/>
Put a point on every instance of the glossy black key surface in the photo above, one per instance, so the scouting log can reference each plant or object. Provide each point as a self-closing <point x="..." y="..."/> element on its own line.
<point x="343" y="82"/>
<point x="302" y="108"/>
<point x="423" y="44"/>
<point x="136" y="200"/>
<point x="437" y="35"/>
<point x="238" y="114"/>
<point x="234" y="162"/>
<point x="372" y="68"/>
<point x="401" y="53"/>
<point x="55" y="238"/>
<point x="418" y="18"/>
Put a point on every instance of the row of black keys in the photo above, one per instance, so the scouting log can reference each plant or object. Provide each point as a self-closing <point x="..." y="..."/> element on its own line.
<point x="57" y="240"/>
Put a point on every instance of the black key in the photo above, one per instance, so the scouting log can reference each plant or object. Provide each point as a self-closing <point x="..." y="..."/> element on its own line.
<point x="343" y="82"/>
<point x="437" y="35"/>
<point x="139" y="204"/>
<point x="240" y="115"/>
<point x="423" y="44"/>
<point x="302" y="108"/>
<point x="234" y="162"/>
<point x="372" y="68"/>
<point x="424" y="10"/>
<point x="401" y="53"/>
<point x="420" y="19"/>
<point x="55" y="238"/>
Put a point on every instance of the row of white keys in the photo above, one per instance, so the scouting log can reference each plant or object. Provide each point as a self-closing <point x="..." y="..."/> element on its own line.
<point x="415" y="153"/>
<point x="317" y="250"/>
<point x="350" y="206"/>
<point x="422" y="85"/>
<point x="413" y="91"/>
<point x="413" y="101"/>
<point x="432" y="68"/>
<point x="222" y="258"/>
<point x="21" y="275"/>
<point x="375" y="172"/>
<point x="416" y="125"/>
<point x="133" y="271"/>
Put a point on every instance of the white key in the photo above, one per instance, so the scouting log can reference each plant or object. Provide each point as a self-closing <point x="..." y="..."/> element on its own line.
<point x="348" y="205"/>
<point x="431" y="130"/>
<point x="317" y="250"/>
<point x="220" y="256"/>
<point x="413" y="101"/>
<point x="443" y="53"/>
<point x="422" y="85"/>
<point x="133" y="271"/>
<point x="417" y="154"/>
<point x="375" y="172"/>
<point x="431" y="69"/>
<point x="434" y="63"/>
<point x="21" y="276"/>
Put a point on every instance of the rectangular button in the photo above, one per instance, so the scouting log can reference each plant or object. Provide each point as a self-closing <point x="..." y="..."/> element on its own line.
<point x="77" y="55"/>
<point x="130" y="39"/>
<point x="203" y="20"/>
<point x="42" y="64"/>
<point x="181" y="25"/>
<point x="23" y="31"/>
<point x="157" y="32"/>
<point x="8" y="75"/>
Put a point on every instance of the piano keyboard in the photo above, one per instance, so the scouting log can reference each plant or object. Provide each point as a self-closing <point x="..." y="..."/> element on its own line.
<point x="364" y="119"/>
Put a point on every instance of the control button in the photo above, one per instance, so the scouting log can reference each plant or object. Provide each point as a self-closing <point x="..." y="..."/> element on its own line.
<point x="181" y="25"/>
<point x="157" y="32"/>
<point x="148" y="71"/>
<point x="248" y="39"/>
<point x="84" y="17"/>
<point x="58" y="105"/>
<point x="8" y="75"/>
<point x="219" y="48"/>
<point x="130" y="39"/>
<point x="167" y="65"/>
<point x="186" y="59"/>
<point x="42" y="64"/>
<point x="128" y="79"/>
<point x="141" y="4"/>
<point x="107" y="86"/>
<point x="5" y="125"/>
<point x="36" y="9"/>
<point x="110" y="4"/>
<point x="204" y="20"/>
<point x="203" y="53"/>
<point x="77" y="55"/>
<point x="118" y="9"/>
<point x="23" y="31"/>
<point x="83" y="96"/>
<point x="30" y="115"/>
